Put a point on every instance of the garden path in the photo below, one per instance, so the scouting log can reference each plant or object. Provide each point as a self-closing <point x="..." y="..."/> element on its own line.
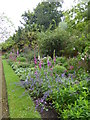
<point x="0" y="87"/>
<point x="4" y="112"/>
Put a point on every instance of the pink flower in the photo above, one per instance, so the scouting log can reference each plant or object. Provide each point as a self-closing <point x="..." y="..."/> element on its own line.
<point x="49" y="63"/>
<point x="35" y="60"/>
<point x="35" y="72"/>
<point x="51" y="68"/>
<point x="17" y="52"/>
<point x="54" y="59"/>
<point x="35" y="66"/>
<point x="40" y="64"/>
<point x="71" y="67"/>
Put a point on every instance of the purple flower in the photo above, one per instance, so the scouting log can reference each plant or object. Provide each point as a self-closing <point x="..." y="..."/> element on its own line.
<point x="42" y="109"/>
<point x="35" y="72"/>
<point x="40" y="64"/>
<point x="17" y="52"/>
<point x="42" y="100"/>
<point x="49" y="63"/>
<point x="11" y="53"/>
<point x="54" y="59"/>
<point x="35" y="60"/>
<point x="63" y="75"/>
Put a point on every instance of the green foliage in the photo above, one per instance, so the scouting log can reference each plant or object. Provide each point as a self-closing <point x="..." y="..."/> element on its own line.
<point x="60" y="60"/>
<point x="45" y="60"/>
<point x="8" y="44"/>
<point x="78" y="110"/>
<point x="22" y="73"/>
<point x="72" y="100"/>
<point x="6" y="55"/>
<point x="29" y="54"/>
<point x="53" y="40"/>
<point x="23" y="65"/>
<point x="21" y="59"/>
<point x="59" y="69"/>
<point x="17" y="97"/>
<point x="44" y="15"/>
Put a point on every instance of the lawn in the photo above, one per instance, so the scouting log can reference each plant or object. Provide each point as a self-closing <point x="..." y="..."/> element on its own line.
<point x="20" y="103"/>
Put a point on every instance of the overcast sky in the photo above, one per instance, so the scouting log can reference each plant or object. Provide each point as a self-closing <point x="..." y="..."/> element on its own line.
<point x="13" y="9"/>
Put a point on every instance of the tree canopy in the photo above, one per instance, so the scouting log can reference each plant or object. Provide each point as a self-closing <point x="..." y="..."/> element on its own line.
<point x="45" y="14"/>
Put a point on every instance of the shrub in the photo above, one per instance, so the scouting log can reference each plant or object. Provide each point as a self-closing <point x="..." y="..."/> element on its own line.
<point x="59" y="69"/>
<point x="23" y="65"/>
<point x="14" y="66"/>
<point x="60" y="60"/>
<point x="21" y="59"/>
<point x="6" y="55"/>
<point x="29" y="54"/>
<point x="52" y="40"/>
<point x="45" y="60"/>
<point x="78" y="110"/>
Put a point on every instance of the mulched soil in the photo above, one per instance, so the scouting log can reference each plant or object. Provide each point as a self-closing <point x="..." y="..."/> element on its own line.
<point x="48" y="115"/>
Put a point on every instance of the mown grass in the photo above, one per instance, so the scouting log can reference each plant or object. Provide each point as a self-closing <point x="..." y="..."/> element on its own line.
<point x="20" y="103"/>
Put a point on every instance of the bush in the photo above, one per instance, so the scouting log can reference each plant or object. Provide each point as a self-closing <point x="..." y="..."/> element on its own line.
<point x="78" y="110"/>
<point x="10" y="62"/>
<point x="60" y="60"/>
<point x="14" y="66"/>
<point x="21" y="59"/>
<point x="59" y="69"/>
<point x="45" y="60"/>
<point x="71" y="100"/>
<point x="29" y="54"/>
<point x="23" y="65"/>
<point x="6" y="55"/>
<point x="52" y="40"/>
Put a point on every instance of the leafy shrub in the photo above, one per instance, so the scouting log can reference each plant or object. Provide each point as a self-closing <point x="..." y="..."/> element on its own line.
<point x="29" y="54"/>
<point x="72" y="99"/>
<point x="61" y="92"/>
<point x="60" y="60"/>
<point x="45" y="60"/>
<point x="59" y="69"/>
<point x="23" y="65"/>
<point x="77" y="110"/>
<point x="14" y="66"/>
<point x="6" y="55"/>
<point x="21" y="59"/>
<point x="3" y="57"/>
<point x="22" y="72"/>
<point x="65" y="64"/>
<point x="10" y="62"/>
<point x="52" y="40"/>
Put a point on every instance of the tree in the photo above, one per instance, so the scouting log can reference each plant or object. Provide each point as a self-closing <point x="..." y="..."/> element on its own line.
<point x="77" y="21"/>
<point x="45" y="14"/>
<point x="77" y="17"/>
<point x="6" y="28"/>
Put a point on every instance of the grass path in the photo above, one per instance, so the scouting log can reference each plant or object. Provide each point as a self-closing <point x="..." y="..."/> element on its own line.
<point x="0" y="88"/>
<point x="20" y="103"/>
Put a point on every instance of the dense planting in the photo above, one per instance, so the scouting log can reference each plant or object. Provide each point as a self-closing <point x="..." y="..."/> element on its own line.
<point x="51" y="58"/>
<point x="17" y="97"/>
<point x="57" y="83"/>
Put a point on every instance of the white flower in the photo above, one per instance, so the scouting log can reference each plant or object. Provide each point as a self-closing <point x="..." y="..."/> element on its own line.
<point x="82" y="58"/>
<point x="74" y="48"/>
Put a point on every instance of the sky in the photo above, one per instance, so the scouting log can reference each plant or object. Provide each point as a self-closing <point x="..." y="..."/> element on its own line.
<point x="13" y="9"/>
